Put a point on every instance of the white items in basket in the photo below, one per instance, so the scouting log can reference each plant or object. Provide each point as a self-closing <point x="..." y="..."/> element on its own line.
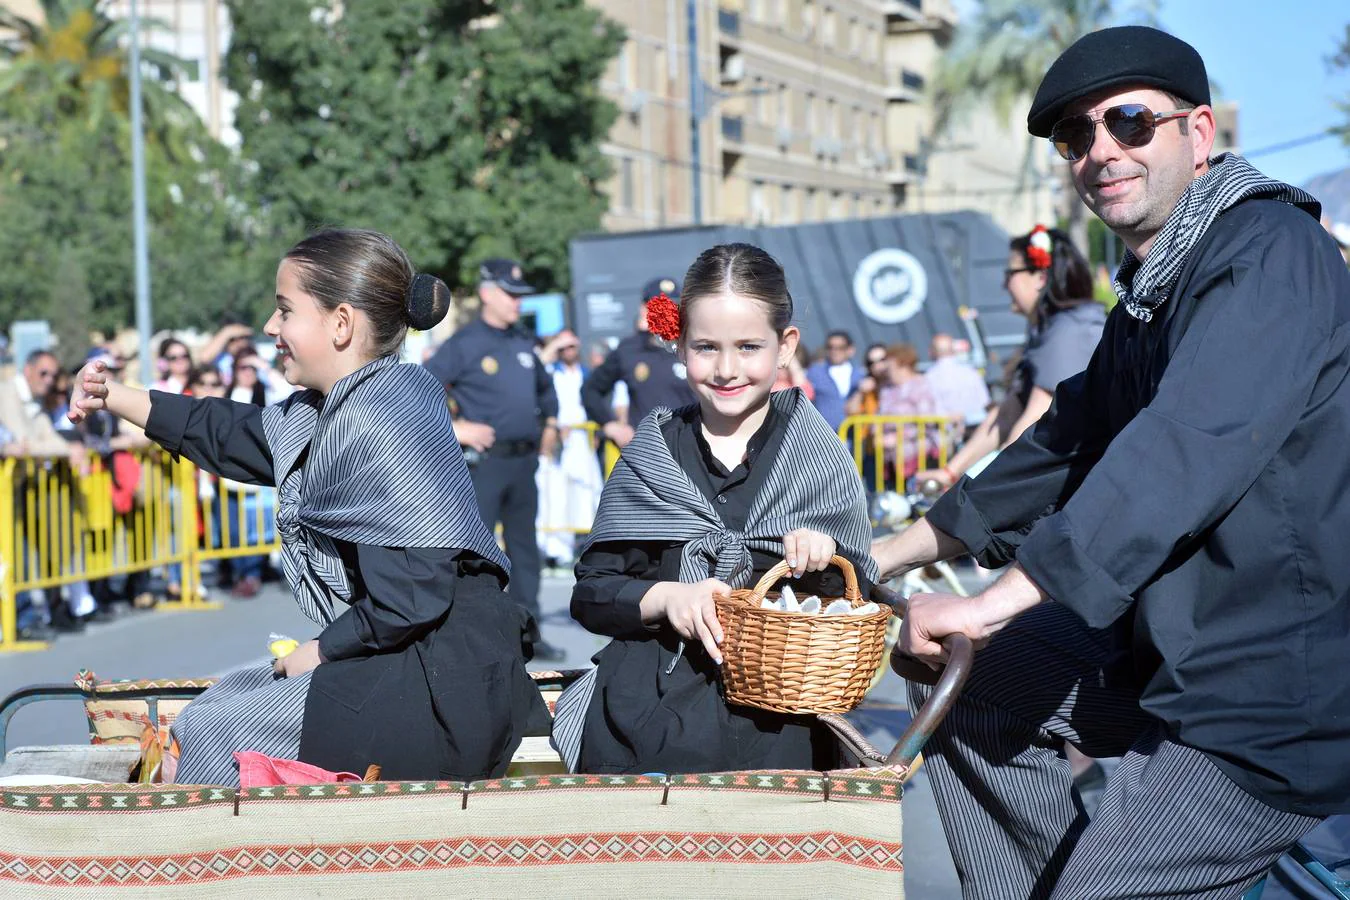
<point x="787" y="602"/>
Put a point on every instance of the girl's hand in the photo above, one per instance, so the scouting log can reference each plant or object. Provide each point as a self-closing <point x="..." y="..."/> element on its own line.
<point x="89" y="392"/>
<point x="807" y="551"/>
<point x="690" y="610"/>
<point x="302" y="659"/>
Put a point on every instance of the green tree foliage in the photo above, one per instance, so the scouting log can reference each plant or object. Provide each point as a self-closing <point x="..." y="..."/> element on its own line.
<point x="1340" y="62"/>
<point x="462" y="128"/>
<point x="65" y="186"/>
<point x="72" y="57"/>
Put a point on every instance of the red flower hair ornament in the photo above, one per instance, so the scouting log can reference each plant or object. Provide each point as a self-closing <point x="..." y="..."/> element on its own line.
<point x="663" y="318"/>
<point x="1038" y="248"/>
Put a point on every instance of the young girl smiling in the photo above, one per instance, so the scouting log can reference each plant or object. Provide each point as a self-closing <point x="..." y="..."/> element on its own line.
<point x="419" y="666"/>
<point x="704" y="499"/>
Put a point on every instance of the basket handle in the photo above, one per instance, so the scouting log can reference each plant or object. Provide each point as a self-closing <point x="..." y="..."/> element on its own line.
<point x="781" y="569"/>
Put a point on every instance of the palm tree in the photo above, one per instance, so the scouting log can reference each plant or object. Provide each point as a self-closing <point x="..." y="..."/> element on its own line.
<point x="1000" y="56"/>
<point x="72" y="62"/>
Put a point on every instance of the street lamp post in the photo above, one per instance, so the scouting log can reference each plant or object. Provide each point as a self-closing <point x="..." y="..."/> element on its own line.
<point x="695" y="113"/>
<point x="141" y="238"/>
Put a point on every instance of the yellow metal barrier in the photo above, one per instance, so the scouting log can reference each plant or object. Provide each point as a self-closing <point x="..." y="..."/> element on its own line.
<point x="59" y="527"/>
<point x="889" y="449"/>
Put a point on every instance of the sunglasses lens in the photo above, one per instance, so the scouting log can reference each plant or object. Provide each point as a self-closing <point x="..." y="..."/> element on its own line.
<point x="1072" y="137"/>
<point x="1132" y="124"/>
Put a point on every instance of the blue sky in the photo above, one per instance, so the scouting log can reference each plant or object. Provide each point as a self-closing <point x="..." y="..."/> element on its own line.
<point x="1270" y="57"/>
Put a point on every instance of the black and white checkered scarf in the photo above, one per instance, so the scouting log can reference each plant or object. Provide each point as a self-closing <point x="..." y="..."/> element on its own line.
<point x="382" y="468"/>
<point x="1143" y="287"/>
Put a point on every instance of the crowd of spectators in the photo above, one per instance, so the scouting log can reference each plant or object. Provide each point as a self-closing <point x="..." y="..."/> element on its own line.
<point x="34" y="427"/>
<point x="35" y="430"/>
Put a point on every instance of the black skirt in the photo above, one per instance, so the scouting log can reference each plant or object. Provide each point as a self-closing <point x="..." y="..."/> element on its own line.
<point x="642" y="719"/>
<point x="454" y="705"/>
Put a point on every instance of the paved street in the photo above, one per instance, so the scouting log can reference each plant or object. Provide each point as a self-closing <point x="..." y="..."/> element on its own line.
<point x="178" y="644"/>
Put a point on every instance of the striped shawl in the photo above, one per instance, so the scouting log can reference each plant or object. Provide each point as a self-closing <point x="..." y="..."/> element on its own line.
<point x="812" y="484"/>
<point x="382" y="468"/>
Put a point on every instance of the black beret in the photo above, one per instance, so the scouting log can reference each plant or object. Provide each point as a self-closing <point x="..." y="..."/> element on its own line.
<point x="1128" y="56"/>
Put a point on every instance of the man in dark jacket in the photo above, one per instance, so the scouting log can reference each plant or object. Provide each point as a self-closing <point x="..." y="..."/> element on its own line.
<point x="653" y="375"/>
<point x="506" y="418"/>
<point x="1180" y="589"/>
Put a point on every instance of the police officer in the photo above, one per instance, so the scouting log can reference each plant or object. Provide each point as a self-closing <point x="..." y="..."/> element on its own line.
<point x="653" y="375"/>
<point x="506" y="417"/>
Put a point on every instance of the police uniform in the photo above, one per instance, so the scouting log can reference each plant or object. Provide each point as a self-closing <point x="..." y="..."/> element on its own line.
<point x="494" y="377"/>
<point x="654" y="375"/>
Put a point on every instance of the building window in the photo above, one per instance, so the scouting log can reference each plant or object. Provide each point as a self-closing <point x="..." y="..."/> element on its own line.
<point x="759" y="209"/>
<point x="854" y="37"/>
<point x="784" y="107"/>
<point x="785" y="204"/>
<point x="831" y="119"/>
<point x="809" y="211"/>
<point x="809" y="113"/>
<point x="827" y="30"/>
<point x="808" y="17"/>
<point x="627" y="188"/>
<point x="759" y="102"/>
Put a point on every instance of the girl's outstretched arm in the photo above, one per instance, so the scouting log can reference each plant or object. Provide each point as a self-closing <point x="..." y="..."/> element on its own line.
<point x="218" y="435"/>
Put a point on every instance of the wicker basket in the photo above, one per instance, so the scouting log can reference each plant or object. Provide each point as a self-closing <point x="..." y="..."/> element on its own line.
<point x="794" y="663"/>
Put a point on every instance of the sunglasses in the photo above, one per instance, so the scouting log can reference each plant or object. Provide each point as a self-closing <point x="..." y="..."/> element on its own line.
<point x="211" y="384"/>
<point x="46" y="373"/>
<point x="1130" y="125"/>
<point x="1009" y="273"/>
<point x="176" y="357"/>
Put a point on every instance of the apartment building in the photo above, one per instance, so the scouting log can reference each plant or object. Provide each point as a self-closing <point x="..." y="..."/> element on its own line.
<point x="807" y="110"/>
<point x="793" y="109"/>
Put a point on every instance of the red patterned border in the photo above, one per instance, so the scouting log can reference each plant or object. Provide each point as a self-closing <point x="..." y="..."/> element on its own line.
<point x="454" y="853"/>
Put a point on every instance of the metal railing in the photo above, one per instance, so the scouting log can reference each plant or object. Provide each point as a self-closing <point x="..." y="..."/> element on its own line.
<point x="60" y="527"/>
<point x="889" y="449"/>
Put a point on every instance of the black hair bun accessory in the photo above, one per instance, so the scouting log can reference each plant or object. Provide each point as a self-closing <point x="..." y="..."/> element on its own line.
<point x="427" y="301"/>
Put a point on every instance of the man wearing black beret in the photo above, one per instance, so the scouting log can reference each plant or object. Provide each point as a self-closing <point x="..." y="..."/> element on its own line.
<point x="1179" y="587"/>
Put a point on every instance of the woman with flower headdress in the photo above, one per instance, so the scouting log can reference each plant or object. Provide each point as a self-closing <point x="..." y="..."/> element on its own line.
<point x="1050" y="283"/>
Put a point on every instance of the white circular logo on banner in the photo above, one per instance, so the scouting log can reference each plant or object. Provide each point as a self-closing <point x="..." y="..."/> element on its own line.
<point x="890" y="286"/>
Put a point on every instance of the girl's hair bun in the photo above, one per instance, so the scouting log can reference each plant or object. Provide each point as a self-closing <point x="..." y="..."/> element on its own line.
<point x="427" y="301"/>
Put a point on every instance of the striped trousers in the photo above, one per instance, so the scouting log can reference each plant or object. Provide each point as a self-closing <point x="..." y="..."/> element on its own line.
<point x="1170" y="823"/>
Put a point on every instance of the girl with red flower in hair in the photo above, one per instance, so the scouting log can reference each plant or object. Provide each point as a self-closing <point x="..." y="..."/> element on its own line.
<point x="706" y="499"/>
